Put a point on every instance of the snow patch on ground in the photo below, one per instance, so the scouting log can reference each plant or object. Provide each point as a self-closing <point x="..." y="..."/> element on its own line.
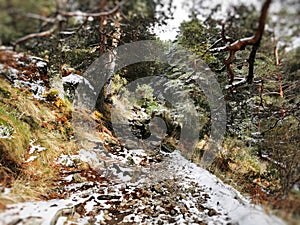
<point x="35" y="148"/>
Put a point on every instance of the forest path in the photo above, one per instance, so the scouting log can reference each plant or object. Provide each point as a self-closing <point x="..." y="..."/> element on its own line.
<point x="172" y="191"/>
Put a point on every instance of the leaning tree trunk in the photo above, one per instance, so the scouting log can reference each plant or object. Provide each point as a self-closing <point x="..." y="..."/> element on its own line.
<point x="241" y="44"/>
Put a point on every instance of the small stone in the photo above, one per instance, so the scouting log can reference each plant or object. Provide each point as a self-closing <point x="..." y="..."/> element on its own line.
<point x="157" y="188"/>
<point x="77" y="178"/>
<point x="196" y="194"/>
<point x="168" y="146"/>
<point x="173" y="212"/>
<point x="107" y="217"/>
<point x="212" y="212"/>
<point x="160" y="222"/>
<point x="206" y="196"/>
<point x="183" y="210"/>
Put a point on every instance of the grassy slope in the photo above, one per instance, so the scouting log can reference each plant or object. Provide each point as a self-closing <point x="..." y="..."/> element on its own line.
<point x="29" y="119"/>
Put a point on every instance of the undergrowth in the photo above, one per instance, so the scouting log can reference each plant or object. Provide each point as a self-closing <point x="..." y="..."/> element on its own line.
<point x="31" y="123"/>
<point x="241" y="167"/>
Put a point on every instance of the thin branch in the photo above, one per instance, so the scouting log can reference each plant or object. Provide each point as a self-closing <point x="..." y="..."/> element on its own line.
<point x="212" y="46"/>
<point x="236" y="84"/>
<point x="268" y="158"/>
<point x="34" y="35"/>
<point x="39" y="17"/>
<point x="224" y="37"/>
<point x="74" y="30"/>
<point x="220" y="69"/>
<point x="272" y="127"/>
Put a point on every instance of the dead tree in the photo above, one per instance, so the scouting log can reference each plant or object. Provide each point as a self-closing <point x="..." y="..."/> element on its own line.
<point x="241" y="44"/>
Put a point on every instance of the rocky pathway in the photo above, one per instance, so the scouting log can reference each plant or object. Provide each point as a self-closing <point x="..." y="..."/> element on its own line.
<point x="168" y="190"/>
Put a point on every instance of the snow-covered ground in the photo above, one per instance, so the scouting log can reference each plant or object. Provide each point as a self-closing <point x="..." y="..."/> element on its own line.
<point x="172" y="191"/>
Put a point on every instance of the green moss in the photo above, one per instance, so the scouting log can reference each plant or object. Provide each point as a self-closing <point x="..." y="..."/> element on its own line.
<point x="13" y="149"/>
<point x="118" y="83"/>
<point x="52" y="95"/>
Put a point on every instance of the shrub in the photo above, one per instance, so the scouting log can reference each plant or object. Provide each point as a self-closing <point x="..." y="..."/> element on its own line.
<point x="281" y="146"/>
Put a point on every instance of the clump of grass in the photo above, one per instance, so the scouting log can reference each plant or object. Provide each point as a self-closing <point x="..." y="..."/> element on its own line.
<point x="13" y="149"/>
<point x="47" y="123"/>
<point x="239" y="166"/>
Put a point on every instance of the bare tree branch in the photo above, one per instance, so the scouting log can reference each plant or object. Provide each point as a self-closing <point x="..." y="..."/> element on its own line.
<point x="242" y="43"/>
<point x="61" y="16"/>
<point x="34" y="35"/>
<point x="39" y="17"/>
<point x="32" y="16"/>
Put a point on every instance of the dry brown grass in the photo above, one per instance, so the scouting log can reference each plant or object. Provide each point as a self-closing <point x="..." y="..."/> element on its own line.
<point x="238" y="167"/>
<point x="46" y="123"/>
